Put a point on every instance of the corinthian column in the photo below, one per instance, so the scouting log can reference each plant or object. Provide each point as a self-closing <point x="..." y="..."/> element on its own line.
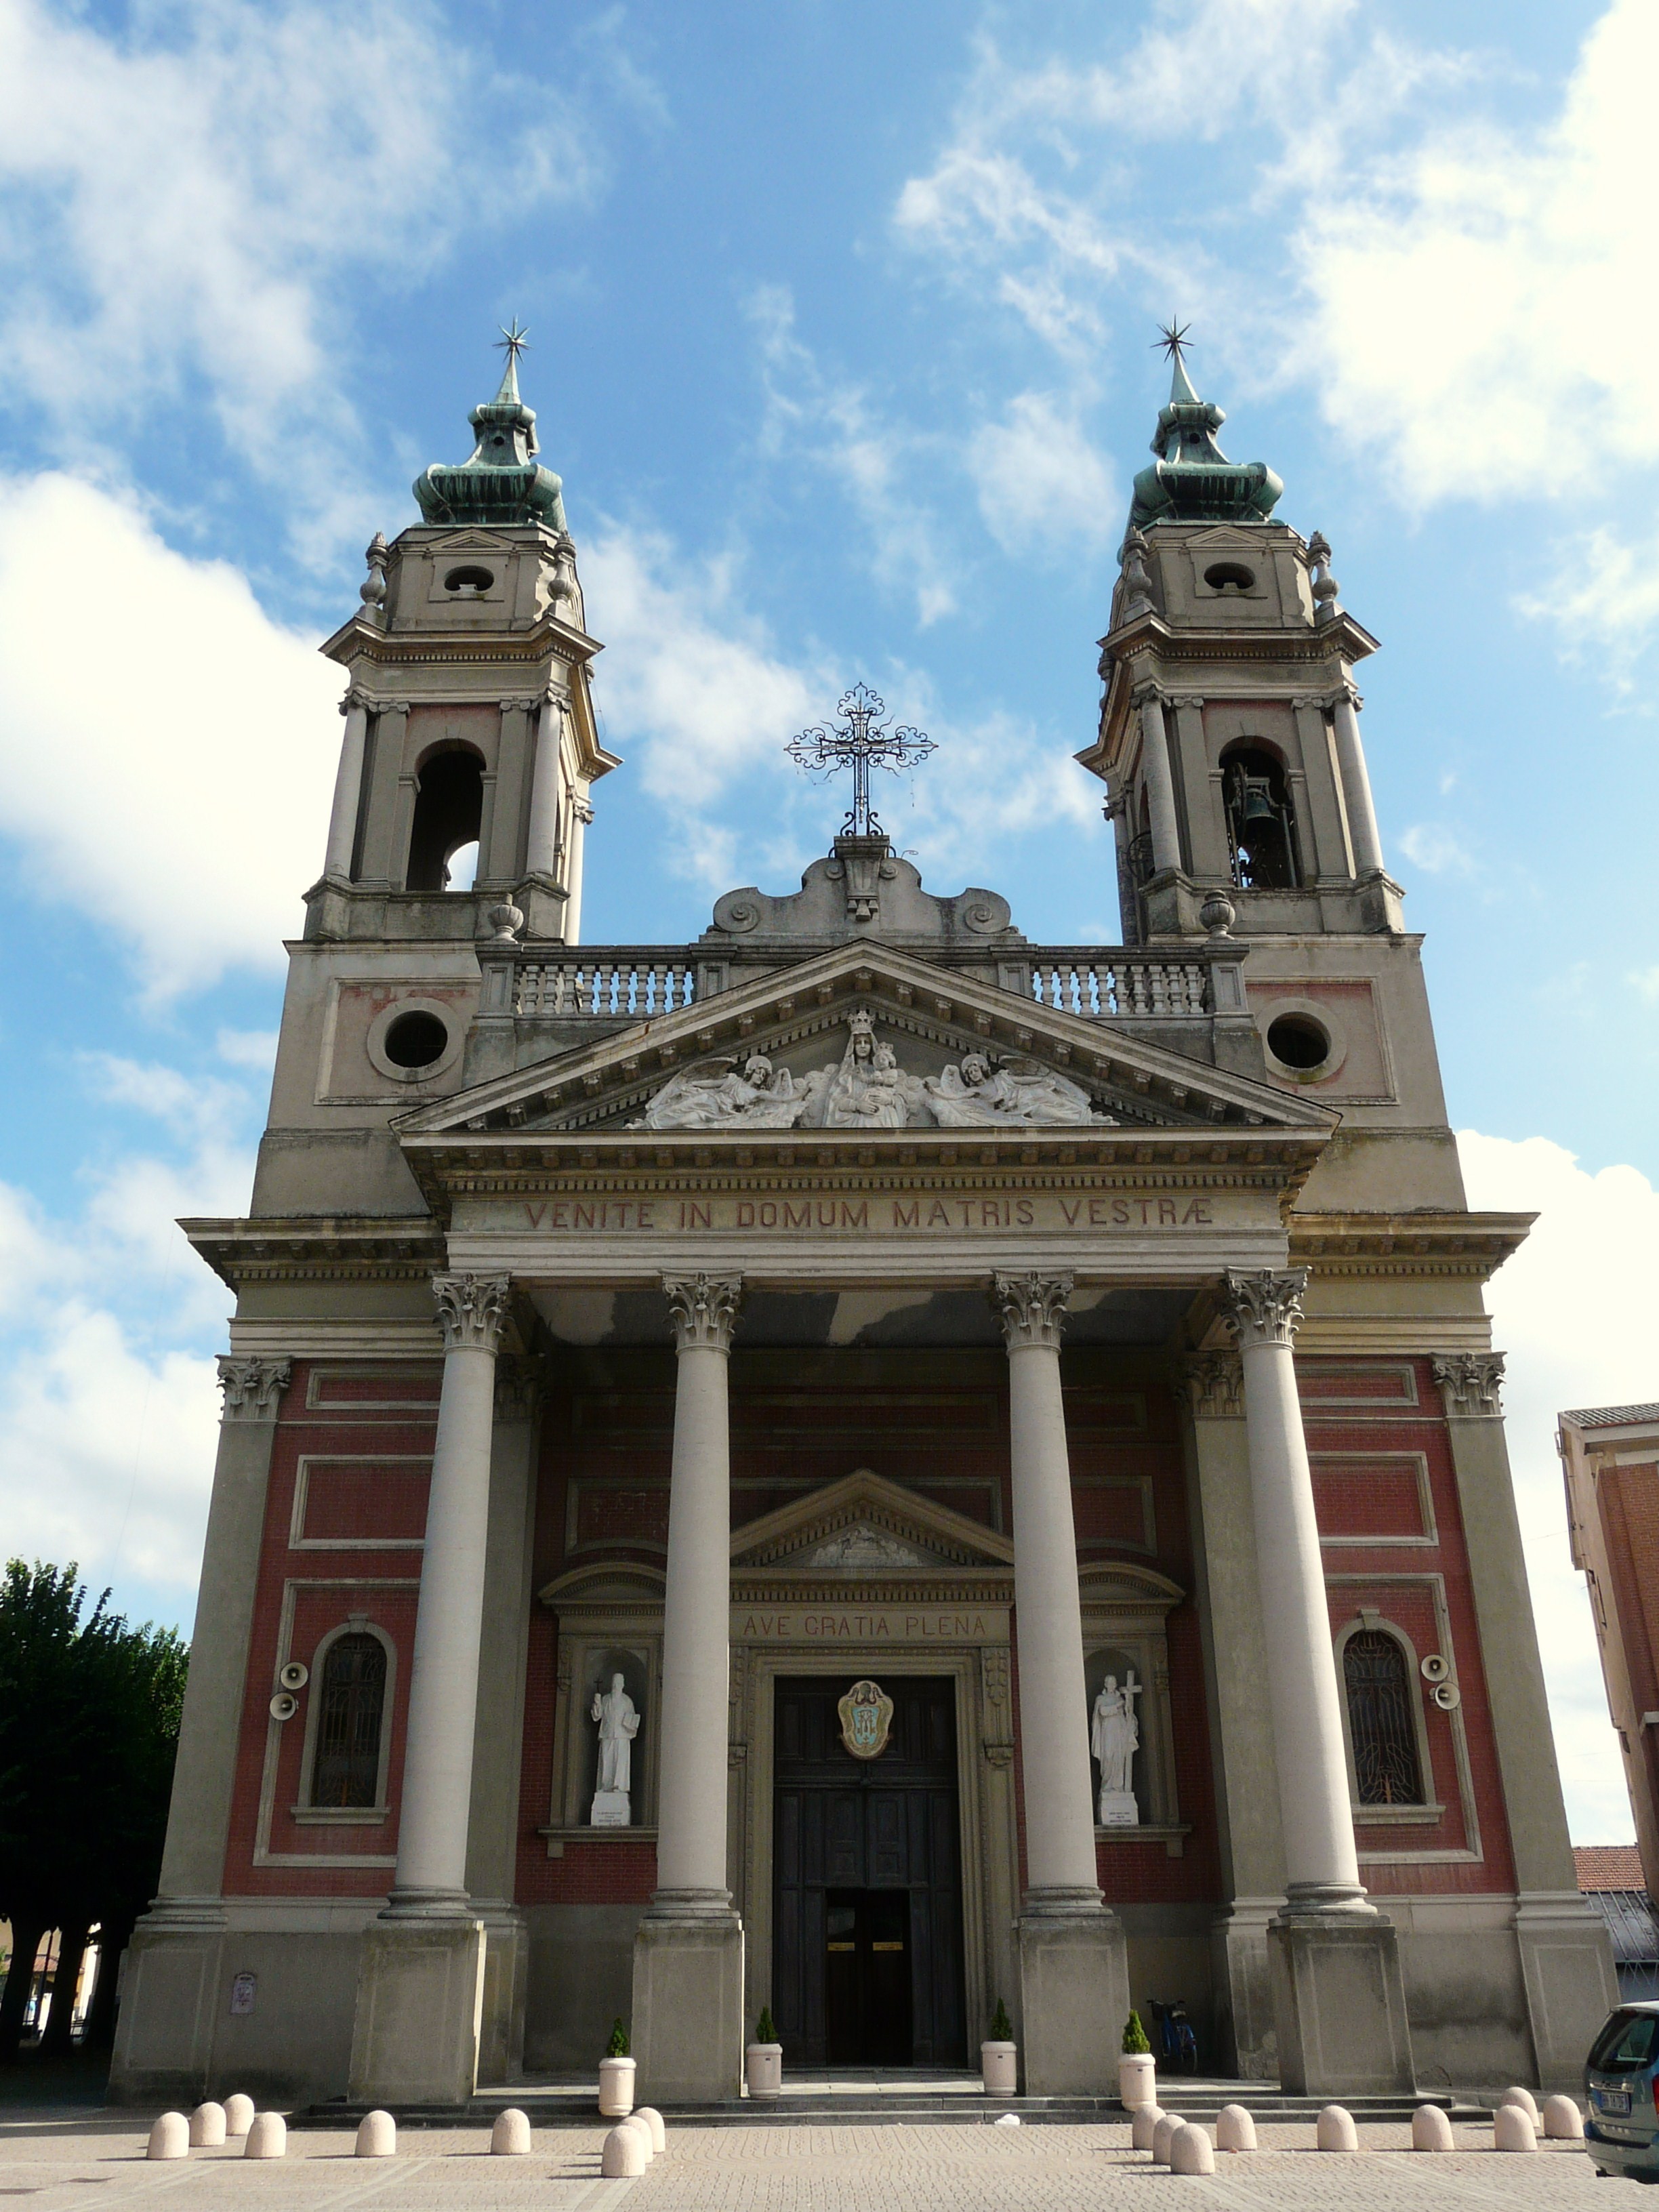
<point x="542" y="843"/>
<point x="688" y="1954"/>
<point x="1322" y="1870"/>
<point x="1363" y="833"/>
<point x="696" y="1602"/>
<point x="443" y="1695"/>
<point x="1160" y="780"/>
<point x="1054" y="1706"/>
<point x="1073" y="1974"/>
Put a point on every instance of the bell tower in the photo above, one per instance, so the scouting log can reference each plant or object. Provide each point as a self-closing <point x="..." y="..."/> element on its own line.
<point x="1230" y="744"/>
<point x="1230" y="727"/>
<point x="469" y="719"/>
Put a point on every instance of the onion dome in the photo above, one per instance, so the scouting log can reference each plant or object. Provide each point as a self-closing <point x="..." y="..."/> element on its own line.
<point x="502" y="483"/>
<point x="1192" y="479"/>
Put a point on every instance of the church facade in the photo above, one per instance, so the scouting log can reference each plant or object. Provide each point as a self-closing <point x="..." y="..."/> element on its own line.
<point x="858" y="1465"/>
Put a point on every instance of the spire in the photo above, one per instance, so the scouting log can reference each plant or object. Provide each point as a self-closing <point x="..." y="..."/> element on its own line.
<point x="502" y="483"/>
<point x="1192" y="479"/>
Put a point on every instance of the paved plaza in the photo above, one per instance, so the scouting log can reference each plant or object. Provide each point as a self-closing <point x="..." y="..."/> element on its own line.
<point x="98" y="2159"/>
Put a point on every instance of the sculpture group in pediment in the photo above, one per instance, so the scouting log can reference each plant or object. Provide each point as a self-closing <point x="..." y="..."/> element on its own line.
<point x="868" y="1090"/>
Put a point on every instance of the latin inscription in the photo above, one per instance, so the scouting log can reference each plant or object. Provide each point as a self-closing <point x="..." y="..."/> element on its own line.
<point x="885" y="1215"/>
<point x="867" y="1624"/>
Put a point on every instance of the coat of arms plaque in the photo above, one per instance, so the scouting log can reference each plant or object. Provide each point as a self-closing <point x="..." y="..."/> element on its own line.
<point x="867" y="1714"/>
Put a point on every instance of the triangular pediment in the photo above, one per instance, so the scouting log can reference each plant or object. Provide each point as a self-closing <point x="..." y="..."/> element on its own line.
<point x="1037" y="1069"/>
<point x="865" y="1527"/>
<point x="472" y="540"/>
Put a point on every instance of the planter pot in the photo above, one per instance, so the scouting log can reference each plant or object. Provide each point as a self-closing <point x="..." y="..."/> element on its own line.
<point x="998" y="2066"/>
<point x="762" y="2069"/>
<point x="616" y="2089"/>
<point x="1137" y="2080"/>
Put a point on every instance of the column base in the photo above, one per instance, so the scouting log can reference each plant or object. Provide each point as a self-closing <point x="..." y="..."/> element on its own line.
<point x="687" y="2032"/>
<point x="1243" y="1980"/>
<point x="1073" y="1998"/>
<point x="415" y="2035"/>
<point x="1339" y="2003"/>
<point x="507" y="1977"/>
<point x="1567" y="1966"/>
<point x="170" y="2000"/>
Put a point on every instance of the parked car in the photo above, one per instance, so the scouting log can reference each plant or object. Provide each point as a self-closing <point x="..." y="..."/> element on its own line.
<point x="1621" y="2084"/>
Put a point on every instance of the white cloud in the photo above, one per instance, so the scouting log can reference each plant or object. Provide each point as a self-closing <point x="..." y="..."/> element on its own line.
<point x="1435" y="849"/>
<point x="1574" y="1311"/>
<point x="255" y="1048"/>
<point x="188" y="192"/>
<point x="167" y="751"/>
<point x="1041" y="482"/>
<point x="1485" y="303"/>
<point x="834" y="426"/>
<point x="1604" y="599"/>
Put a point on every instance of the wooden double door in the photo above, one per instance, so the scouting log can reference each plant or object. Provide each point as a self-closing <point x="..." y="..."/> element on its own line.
<point x="867" y="1880"/>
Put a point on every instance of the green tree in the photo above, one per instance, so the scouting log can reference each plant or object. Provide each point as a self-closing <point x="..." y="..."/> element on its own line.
<point x="89" y="1712"/>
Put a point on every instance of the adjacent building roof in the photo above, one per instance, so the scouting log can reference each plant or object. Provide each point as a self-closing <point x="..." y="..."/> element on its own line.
<point x="1611" y="1416"/>
<point x="1608" y="1866"/>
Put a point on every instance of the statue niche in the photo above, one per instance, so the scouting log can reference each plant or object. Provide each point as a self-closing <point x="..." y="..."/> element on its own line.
<point x="868" y="1090"/>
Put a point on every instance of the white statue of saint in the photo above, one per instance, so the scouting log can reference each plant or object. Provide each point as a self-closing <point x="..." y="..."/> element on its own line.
<point x="1114" y="1738"/>
<point x="619" y="1723"/>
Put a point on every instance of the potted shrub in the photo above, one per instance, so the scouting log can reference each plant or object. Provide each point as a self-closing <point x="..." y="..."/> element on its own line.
<point x="617" y="2076"/>
<point x="1137" y="2082"/>
<point x="998" y="2058"/>
<point x="762" y="2065"/>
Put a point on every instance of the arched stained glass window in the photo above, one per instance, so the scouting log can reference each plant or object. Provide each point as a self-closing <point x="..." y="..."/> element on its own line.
<point x="347" y="1770"/>
<point x="1380" y="1723"/>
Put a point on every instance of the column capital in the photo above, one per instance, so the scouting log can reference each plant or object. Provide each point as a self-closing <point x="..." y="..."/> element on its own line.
<point x="524" y="703"/>
<point x="1183" y="698"/>
<point x="1264" y="1307"/>
<point x="369" y="702"/>
<point x="1032" y="1306"/>
<point x="1148" y="693"/>
<point x="703" y="1310"/>
<point x="252" y="1387"/>
<point x="473" y="1311"/>
<point x="1469" y="1384"/>
<point x="1215" y="1386"/>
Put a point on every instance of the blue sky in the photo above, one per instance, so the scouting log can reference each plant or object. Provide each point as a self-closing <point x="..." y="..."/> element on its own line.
<point x="841" y="323"/>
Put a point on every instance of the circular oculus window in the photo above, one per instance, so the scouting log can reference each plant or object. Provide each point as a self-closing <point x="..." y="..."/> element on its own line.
<point x="1299" y="1042"/>
<point x="413" y="1041"/>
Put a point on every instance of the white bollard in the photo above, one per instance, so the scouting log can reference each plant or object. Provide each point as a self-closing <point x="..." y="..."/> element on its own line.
<point x="377" y="2136"/>
<point x="207" y="2126"/>
<point x="643" y="2128"/>
<point x="653" y="2119"/>
<point x="1234" y="2129"/>
<point x="1191" y="2150"/>
<point x="267" y="2136"/>
<point x="1167" y="2125"/>
<point x="616" y="2088"/>
<point x="1432" y="2129"/>
<point x="169" y="2137"/>
<point x="510" y="2136"/>
<point x="623" y="2156"/>
<point x="238" y="2114"/>
<point x="1008" y="2120"/>
<point x="1563" y="2121"/>
<point x="1143" y="2124"/>
<point x="1512" y="2129"/>
<point x="1524" y="2098"/>
<point x="1336" y="2129"/>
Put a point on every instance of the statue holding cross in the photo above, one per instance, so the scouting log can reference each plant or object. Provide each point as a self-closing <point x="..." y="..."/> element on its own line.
<point x="865" y="739"/>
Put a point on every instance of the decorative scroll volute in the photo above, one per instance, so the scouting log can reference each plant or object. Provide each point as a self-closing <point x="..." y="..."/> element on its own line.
<point x="1264" y="1307"/>
<point x="1032" y="1306"/>
<point x="703" y="1308"/>
<point x="473" y="1311"/>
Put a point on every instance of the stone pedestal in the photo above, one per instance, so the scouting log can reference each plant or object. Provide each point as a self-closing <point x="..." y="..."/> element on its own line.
<point x="1073" y="2000"/>
<point x="688" y="2026"/>
<point x="420" y="2011"/>
<point x="1340" y="2006"/>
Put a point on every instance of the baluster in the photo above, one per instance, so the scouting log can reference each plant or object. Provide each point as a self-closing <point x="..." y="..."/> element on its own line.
<point x="1142" y="980"/>
<point x="1160" y="988"/>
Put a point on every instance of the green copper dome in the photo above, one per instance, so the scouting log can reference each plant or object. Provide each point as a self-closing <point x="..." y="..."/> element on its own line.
<point x="502" y="482"/>
<point x="1192" y="479"/>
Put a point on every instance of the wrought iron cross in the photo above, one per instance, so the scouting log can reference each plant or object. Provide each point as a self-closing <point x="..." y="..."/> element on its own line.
<point x="862" y="741"/>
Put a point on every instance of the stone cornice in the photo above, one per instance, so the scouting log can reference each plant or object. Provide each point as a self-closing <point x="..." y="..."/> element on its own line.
<point x="1427" y="1243"/>
<point x="318" y="1250"/>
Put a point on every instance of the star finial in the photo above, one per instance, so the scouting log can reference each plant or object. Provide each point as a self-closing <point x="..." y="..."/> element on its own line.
<point x="1171" y="340"/>
<point x="512" y="342"/>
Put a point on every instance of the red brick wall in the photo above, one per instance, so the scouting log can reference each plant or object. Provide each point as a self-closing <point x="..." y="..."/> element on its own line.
<point x="1368" y="1423"/>
<point x="359" y="1440"/>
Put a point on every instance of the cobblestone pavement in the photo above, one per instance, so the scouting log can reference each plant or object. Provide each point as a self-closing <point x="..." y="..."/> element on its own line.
<point x="80" y="2160"/>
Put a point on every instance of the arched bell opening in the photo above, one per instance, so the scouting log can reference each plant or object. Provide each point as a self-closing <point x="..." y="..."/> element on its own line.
<point x="448" y="816"/>
<point x="1260" y="818"/>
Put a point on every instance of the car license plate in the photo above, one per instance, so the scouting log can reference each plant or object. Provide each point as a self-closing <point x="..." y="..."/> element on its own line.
<point x="1613" y="2101"/>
